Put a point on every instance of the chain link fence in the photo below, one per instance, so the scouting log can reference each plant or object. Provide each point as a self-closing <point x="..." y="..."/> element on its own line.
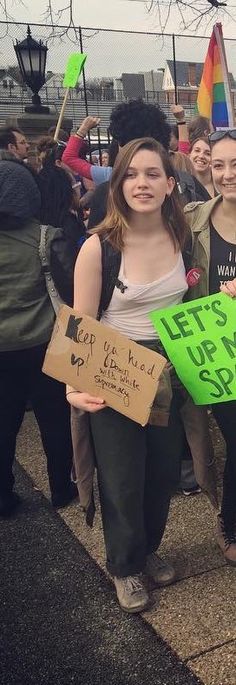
<point x="120" y="65"/>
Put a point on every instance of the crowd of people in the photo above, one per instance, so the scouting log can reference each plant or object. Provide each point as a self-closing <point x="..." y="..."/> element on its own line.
<point x="142" y="215"/>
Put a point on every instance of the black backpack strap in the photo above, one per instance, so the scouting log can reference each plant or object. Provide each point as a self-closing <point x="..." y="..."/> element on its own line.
<point x="55" y="298"/>
<point x="111" y="260"/>
<point x="187" y="252"/>
<point x="187" y="186"/>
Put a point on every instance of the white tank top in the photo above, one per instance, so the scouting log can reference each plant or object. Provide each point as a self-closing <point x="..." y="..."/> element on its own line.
<point x="128" y="310"/>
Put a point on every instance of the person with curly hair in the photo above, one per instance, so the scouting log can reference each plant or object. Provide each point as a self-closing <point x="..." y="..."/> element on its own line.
<point x="129" y="120"/>
<point x="136" y="119"/>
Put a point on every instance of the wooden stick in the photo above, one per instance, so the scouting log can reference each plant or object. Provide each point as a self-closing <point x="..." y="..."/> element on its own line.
<point x="61" y="114"/>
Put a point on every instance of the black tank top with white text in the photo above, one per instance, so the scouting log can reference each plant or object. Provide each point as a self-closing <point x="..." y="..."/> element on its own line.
<point x="222" y="261"/>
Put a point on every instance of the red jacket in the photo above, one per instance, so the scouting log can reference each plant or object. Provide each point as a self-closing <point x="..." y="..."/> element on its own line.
<point x="73" y="160"/>
<point x="183" y="146"/>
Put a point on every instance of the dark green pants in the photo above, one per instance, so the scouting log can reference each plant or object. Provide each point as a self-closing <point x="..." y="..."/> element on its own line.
<point x="138" y="469"/>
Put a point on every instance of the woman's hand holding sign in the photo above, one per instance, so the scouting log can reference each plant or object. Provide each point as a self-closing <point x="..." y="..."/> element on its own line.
<point x="84" y="401"/>
<point x="229" y="288"/>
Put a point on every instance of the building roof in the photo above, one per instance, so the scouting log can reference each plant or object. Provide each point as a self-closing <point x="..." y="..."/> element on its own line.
<point x="182" y="72"/>
<point x="7" y="73"/>
<point x="50" y="76"/>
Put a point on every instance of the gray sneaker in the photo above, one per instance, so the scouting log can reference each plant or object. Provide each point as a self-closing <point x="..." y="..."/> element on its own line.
<point x="161" y="572"/>
<point x="131" y="593"/>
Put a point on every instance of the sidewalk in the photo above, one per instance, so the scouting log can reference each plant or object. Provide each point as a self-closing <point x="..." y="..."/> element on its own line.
<point x="196" y="617"/>
<point x="60" y="621"/>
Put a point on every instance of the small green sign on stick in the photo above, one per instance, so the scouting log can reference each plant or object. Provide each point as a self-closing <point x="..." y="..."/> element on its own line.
<point x="73" y="69"/>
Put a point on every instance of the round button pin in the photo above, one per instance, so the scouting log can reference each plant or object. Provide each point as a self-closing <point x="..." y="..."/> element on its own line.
<point x="192" y="277"/>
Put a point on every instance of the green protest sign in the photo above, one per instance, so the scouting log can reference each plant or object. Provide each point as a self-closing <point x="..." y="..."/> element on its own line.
<point x="200" y="340"/>
<point x="73" y="69"/>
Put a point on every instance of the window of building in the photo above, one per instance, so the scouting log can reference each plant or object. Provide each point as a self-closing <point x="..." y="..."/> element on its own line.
<point x="192" y="74"/>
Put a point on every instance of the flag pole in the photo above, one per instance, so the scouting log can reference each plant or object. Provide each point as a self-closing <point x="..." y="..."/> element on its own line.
<point x="221" y="46"/>
<point x="61" y="115"/>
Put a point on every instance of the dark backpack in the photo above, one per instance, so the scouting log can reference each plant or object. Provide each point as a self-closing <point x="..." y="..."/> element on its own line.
<point x="57" y="256"/>
<point x="186" y="187"/>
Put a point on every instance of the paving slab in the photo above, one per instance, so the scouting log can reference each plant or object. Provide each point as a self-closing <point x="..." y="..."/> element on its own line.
<point x="189" y="538"/>
<point x="217" y="667"/>
<point x="197" y="614"/>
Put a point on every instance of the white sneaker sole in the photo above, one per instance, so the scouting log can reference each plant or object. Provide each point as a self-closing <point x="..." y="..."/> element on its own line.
<point x="135" y="610"/>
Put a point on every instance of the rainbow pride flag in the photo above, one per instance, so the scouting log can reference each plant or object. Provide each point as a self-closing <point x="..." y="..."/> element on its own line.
<point x="214" y="96"/>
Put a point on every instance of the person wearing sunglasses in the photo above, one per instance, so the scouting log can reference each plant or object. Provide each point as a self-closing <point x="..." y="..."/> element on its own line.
<point x="213" y="225"/>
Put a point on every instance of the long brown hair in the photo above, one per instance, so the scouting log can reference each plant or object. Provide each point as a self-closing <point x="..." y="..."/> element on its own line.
<point x="181" y="162"/>
<point x="116" y="222"/>
<point x="204" y="140"/>
<point x="198" y="127"/>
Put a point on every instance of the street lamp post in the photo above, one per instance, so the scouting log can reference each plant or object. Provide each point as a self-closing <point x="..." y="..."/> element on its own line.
<point x="31" y="56"/>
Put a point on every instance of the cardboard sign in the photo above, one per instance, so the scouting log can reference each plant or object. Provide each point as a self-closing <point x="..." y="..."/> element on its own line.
<point x="94" y="358"/>
<point x="200" y="340"/>
<point x="73" y="69"/>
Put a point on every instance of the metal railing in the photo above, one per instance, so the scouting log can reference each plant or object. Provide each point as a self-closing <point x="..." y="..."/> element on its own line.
<point x="120" y="65"/>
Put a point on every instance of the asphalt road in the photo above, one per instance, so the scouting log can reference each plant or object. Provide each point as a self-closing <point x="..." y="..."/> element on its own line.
<point x="60" y="622"/>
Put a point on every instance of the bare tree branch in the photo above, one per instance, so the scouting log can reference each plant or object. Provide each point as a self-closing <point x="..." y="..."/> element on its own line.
<point x="192" y="15"/>
<point x="63" y="24"/>
<point x="8" y="16"/>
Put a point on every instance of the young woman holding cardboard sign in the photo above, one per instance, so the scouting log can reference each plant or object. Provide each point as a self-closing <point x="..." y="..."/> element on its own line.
<point x="213" y="225"/>
<point x="138" y="467"/>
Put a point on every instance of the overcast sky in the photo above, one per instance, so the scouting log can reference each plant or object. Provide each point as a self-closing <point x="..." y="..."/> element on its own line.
<point x="111" y="54"/>
<point x="123" y="14"/>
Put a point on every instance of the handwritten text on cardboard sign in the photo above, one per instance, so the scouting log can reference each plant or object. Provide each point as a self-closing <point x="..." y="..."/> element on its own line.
<point x="94" y="358"/>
